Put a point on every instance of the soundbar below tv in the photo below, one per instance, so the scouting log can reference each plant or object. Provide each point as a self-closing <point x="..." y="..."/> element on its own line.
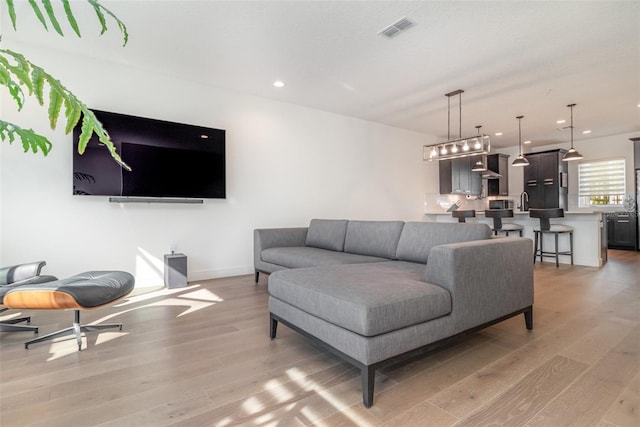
<point x="167" y="159"/>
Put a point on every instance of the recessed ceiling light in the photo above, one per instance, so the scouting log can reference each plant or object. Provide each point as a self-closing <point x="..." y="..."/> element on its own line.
<point x="278" y="83"/>
<point x="561" y="121"/>
<point x="586" y="131"/>
<point x="527" y="142"/>
<point x="498" y="133"/>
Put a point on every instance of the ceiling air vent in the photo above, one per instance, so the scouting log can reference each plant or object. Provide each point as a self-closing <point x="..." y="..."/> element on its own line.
<point x="394" y="29"/>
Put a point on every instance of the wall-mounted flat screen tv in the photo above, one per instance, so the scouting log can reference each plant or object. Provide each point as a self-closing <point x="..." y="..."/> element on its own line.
<point x="167" y="159"/>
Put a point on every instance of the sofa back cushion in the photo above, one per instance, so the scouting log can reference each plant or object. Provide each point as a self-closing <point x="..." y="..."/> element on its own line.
<point x="327" y="234"/>
<point x="418" y="238"/>
<point x="374" y="238"/>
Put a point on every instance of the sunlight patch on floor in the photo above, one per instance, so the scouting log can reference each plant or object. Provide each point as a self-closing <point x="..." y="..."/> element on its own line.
<point x="104" y="337"/>
<point x="68" y="344"/>
<point x="203" y="295"/>
<point x="279" y="391"/>
<point x="252" y="405"/>
<point x="61" y="348"/>
<point x="224" y="422"/>
<point x="308" y="384"/>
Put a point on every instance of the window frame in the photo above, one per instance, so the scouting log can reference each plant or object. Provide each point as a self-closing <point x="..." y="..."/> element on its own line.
<point x="585" y="200"/>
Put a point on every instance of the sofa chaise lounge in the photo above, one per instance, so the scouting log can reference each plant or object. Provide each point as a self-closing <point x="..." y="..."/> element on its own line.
<point x="376" y="292"/>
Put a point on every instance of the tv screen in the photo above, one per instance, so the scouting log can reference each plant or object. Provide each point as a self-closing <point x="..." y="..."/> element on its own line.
<point x="167" y="160"/>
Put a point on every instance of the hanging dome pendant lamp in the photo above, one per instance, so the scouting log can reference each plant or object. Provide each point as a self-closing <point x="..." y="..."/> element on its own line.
<point x="520" y="160"/>
<point x="480" y="165"/>
<point x="572" y="154"/>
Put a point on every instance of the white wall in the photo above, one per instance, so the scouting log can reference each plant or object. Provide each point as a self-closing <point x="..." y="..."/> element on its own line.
<point x="286" y="164"/>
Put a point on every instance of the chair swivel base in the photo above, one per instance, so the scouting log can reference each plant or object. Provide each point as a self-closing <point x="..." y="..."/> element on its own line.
<point x="10" y="324"/>
<point x="76" y="329"/>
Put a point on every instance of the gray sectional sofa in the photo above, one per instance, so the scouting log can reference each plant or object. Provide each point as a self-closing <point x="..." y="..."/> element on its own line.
<point x="375" y="292"/>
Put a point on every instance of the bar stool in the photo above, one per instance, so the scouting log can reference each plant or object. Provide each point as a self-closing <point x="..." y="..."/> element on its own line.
<point x="463" y="215"/>
<point x="498" y="226"/>
<point x="545" y="227"/>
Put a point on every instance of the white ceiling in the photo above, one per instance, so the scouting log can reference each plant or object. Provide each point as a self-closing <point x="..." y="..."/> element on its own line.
<point x="512" y="58"/>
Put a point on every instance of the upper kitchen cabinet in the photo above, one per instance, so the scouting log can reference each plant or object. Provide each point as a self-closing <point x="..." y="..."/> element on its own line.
<point x="636" y="152"/>
<point x="497" y="164"/>
<point x="546" y="180"/>
<point x="456" y="176"/>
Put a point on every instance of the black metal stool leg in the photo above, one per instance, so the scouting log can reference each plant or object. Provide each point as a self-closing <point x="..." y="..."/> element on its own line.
<point x="557" y="249"/>
<point x="535" y="246"/>
<point x="571" y="245"/>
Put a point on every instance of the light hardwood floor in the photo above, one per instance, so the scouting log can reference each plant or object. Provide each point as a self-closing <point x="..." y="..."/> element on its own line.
<point x="201" y="356"/>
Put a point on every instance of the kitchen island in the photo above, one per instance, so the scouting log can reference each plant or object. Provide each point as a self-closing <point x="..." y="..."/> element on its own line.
<point x="589" y="235"/>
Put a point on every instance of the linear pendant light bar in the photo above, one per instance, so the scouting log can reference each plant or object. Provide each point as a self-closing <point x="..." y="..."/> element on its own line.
<point x="456" y="148"/>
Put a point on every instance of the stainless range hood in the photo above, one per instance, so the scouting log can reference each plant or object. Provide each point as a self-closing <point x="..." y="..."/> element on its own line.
<point x="489" y="174"/>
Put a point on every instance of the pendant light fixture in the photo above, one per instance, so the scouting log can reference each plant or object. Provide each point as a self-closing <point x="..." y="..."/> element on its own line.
<point x="572" y="154"/>
<point x="461" y="147"/>
<point x="520" y="160"/>
<point x="480" y="165"/>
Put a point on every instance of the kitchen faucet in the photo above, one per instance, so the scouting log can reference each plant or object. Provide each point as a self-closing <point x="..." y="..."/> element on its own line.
<point x="524" y="196"/>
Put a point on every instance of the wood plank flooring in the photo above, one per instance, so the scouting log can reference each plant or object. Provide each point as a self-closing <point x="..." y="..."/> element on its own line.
<point x="201" y="356"/>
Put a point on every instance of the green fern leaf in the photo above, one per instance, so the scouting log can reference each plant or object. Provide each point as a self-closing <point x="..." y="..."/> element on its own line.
<point x="72" y="113"/>
<point x="16" y="93"/>
<point x="38" y="83"/>
<point x="5" y="77"/>
<point x="55" y="104"/>
<point x="52" y="16"/>
<point x="12" y="13"/>
<point x="98" y="8"/>
<point x="29" y="139"/>
<point x="85" y="134"/>
<point x="70" y="17"/>
<point x="16" y="71"/>
<point x="121" y="26"/>
<point x="38" y="12"/>
<point x="21" y="70"/>
<point x="114" y="154"/>
<point x="14" y="88"/>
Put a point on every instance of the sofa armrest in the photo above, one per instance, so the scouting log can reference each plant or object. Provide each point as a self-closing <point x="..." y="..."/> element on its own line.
<point x="487" y="279"/>
<point x="265" y="238"/>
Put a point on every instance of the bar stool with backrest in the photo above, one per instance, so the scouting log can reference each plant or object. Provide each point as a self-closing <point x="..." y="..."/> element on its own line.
<point x="498" y="226"/>
<point x="463" y="215"/>
<point x="556" y="229"/>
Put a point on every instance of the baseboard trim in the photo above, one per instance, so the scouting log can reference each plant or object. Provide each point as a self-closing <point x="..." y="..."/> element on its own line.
<point x="216" y="274"/>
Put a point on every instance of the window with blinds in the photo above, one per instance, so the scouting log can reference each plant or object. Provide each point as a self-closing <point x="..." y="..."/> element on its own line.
<point x="601" y="183"/>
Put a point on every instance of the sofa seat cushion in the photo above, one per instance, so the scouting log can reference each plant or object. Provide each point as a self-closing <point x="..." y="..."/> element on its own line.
<point x="368" y="299"/>
<point x="301" y="256"/>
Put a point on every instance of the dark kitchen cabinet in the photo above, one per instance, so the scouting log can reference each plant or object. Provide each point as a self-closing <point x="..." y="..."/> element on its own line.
<point x="456" y="176"/>
<point x="498" y="186"/>
<point x="621" y="230"/>
<point x="636" y="152"/>
<point x="546" y="180"/>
